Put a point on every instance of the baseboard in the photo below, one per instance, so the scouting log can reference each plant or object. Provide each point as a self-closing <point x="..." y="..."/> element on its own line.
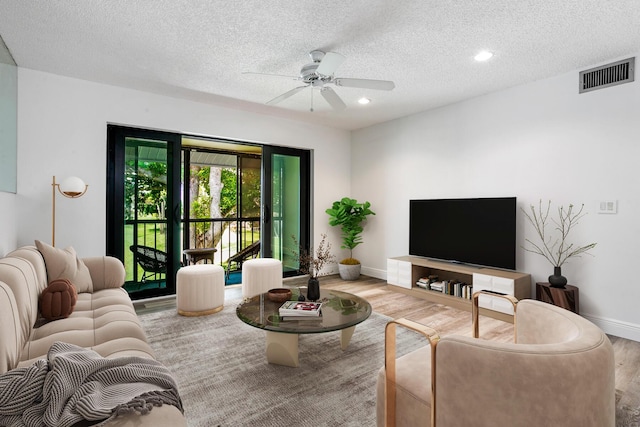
<point x="614" y="327"/>
<point x="374" y="272"/>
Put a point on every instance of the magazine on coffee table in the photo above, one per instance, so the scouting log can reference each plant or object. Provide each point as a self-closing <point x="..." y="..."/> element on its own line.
<point x="302" y="318"/>
<point x="300" y="308"/>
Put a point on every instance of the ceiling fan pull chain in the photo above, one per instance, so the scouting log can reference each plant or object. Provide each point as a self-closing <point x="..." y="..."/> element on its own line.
<point x="311" y="100"/>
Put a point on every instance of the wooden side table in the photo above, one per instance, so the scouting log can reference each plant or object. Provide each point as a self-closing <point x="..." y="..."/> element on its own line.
<point x="195" y="255"/>
<point x="567" y="297"/>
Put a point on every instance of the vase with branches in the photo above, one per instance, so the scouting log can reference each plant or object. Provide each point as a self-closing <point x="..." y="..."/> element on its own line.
<point x="554" y="246"/>
<point x="312" y="264"/>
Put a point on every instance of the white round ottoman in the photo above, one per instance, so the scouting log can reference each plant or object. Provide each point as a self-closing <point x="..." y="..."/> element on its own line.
<point x="259" y="275"/>
<point x="200" y="289"/>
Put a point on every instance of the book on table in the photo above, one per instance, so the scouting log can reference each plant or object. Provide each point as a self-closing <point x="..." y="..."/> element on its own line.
<point x="300" y="308"/>
<point x="302" y="318"/>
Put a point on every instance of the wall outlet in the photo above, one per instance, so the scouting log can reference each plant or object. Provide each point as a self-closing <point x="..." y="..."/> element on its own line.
<point x="608" y="207"/>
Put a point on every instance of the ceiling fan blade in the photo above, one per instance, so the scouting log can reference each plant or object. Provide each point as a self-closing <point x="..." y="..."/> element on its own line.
<point x="330" y="63"/>
<point x="285" y="95"/>
<point x="271" y="75"/>
<point x="332" y="98"/>
<point x="365" y="83"/>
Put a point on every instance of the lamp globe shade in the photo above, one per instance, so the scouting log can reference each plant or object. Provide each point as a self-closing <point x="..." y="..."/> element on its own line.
<point x="73" y="187"/>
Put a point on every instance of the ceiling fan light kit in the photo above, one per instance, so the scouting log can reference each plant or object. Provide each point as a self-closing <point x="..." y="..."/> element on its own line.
<point x="483" y="56"/>
<point x="320" y="73"/>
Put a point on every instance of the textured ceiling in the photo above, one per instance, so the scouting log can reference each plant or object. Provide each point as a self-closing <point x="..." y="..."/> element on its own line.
<point x="198" y="49"/>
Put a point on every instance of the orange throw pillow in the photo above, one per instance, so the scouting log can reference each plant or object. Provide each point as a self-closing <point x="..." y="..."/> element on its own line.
<point x="58" y="299"/>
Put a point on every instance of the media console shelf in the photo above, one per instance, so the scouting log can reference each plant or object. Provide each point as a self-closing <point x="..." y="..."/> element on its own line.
<point x="403" y="272"/>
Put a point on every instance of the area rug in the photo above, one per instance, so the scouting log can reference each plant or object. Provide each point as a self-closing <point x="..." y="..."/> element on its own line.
<point x="224" y="379"/>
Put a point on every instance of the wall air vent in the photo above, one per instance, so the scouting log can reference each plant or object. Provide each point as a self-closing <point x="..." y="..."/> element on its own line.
<point x="607" y="75"/>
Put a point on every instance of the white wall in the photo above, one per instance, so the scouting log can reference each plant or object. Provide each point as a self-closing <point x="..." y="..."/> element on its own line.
<point x="8" y="232"/>
<point x="538" y="141"/>
<point x="62" y="126"/>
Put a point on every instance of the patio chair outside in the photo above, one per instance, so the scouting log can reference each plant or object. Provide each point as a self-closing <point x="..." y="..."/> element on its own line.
<point x="153" y="261"/>
<point x="251" y="251"/>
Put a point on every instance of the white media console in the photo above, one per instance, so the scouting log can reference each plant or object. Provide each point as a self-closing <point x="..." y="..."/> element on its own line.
<point x="405" y="271"/>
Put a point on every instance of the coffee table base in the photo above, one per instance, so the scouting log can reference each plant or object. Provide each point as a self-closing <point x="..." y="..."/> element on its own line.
<point x="282" y="348"/>
<point x="345" y="337"/>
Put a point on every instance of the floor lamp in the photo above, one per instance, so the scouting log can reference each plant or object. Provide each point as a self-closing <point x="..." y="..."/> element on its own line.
<point x="72" y="187"/>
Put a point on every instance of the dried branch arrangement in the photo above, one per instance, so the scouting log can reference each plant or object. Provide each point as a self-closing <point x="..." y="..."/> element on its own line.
<point x="310" y="264"/>
<point x="557" y="250"/>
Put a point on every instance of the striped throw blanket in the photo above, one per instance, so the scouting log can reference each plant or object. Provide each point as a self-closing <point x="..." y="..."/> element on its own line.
<point x="74" y="384"/>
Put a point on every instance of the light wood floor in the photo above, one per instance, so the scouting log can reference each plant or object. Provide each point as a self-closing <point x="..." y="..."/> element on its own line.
<point x="447" y="321"/>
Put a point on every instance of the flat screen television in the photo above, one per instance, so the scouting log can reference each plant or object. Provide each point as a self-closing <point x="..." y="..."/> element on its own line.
<point x="478" y="231"/>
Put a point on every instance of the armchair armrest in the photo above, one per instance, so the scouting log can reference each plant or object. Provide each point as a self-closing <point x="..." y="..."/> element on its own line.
<point x="106" y="272"/>
<point x="475" y="310"/>
<point x="390" y="365"/>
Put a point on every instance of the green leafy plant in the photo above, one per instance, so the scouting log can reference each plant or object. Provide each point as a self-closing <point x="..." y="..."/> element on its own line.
<point x="556" y="249"/>
<point x="349" y="214"/>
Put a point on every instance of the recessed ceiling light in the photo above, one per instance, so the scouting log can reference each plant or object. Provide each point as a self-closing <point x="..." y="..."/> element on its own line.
<point x="483" y="55"/>
<point x="364" y="101"/>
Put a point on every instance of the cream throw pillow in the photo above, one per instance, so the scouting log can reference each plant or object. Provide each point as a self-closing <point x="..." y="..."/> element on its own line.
<point x="65" y="264"/>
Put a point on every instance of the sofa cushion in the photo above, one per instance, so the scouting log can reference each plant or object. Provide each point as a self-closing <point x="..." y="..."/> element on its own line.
<point x="10" y="330"/>
<point x="20" y="275"/>
<point x="104" y="321"/>
<point x="65" y="264"/>
<point x="106" y="272"/>
<point x="58" y="299"/>
<point x="34" y="257"/>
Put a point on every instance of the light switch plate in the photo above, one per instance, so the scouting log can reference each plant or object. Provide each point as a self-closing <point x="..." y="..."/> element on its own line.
<point x="608" y="207"/>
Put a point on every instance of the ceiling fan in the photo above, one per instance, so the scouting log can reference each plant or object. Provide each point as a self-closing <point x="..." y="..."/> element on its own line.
<point x="320" y="73"/>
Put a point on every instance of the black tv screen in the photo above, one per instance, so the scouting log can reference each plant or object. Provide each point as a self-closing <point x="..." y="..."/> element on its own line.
<point x="472" y="231"/>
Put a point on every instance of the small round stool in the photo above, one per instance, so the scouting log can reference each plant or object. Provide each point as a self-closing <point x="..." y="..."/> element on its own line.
<point x="200" y="289"/>
<point x="259" y="275"/>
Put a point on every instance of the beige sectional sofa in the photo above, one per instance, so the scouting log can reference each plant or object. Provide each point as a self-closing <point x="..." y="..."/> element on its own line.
<point x="102" y="320"/>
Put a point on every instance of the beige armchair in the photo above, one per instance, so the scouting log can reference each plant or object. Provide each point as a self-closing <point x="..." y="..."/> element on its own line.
<point x="558" y="372"/>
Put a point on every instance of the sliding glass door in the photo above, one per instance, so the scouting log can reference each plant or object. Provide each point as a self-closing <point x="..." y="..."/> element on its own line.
<point x="286" y="204"/>
<point x="143" y="208"/>
<point x="221" y="196"/>
<point x="170" y="196"/>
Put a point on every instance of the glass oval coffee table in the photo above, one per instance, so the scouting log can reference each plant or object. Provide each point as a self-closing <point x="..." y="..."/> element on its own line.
<point x="341" y="311"/>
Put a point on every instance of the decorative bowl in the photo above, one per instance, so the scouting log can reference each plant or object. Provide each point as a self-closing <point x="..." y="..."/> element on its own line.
<point x="279" y="294"/>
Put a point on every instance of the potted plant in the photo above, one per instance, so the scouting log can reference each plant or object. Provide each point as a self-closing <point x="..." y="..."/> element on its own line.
<point x="312" y="265"/>
<point x="556" y="249"/>
<point x="349" y="215"/>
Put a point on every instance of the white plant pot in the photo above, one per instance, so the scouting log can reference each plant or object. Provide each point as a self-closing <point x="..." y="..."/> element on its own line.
<point x="349" y="272"/>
